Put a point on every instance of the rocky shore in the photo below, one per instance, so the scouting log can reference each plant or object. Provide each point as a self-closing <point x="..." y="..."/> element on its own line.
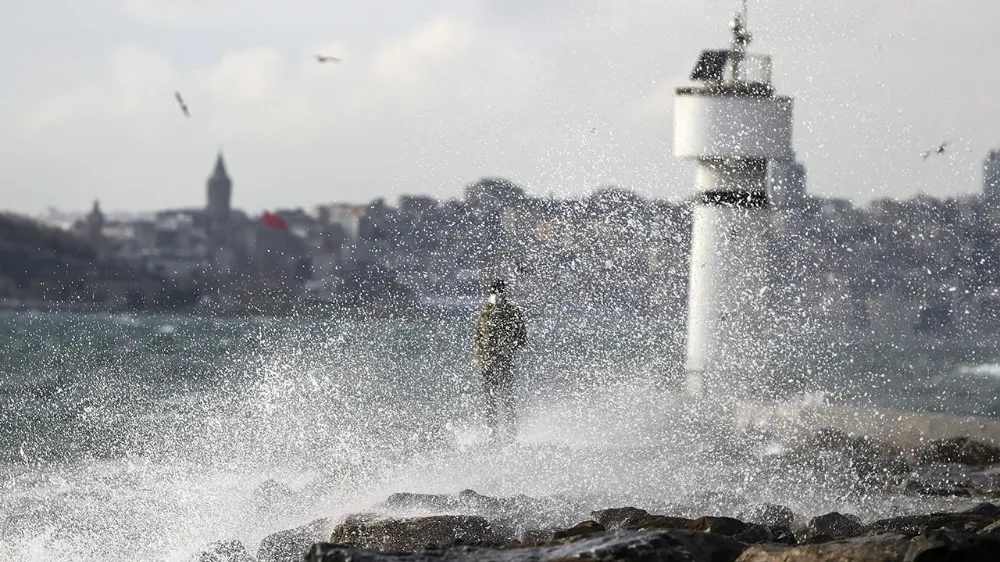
<point x="709" y="527"/>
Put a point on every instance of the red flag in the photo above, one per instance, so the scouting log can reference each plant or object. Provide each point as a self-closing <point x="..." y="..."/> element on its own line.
<point x="274" y="221"/>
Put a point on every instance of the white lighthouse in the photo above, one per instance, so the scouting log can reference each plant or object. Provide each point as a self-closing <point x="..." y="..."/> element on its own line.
<point x="731" y="124"/>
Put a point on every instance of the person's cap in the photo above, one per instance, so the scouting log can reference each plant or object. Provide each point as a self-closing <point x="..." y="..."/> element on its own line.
<point x="498" y="286"/>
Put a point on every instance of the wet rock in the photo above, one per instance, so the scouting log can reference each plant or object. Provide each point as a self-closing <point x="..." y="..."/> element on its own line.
<point x="291" y="545"/>
<point x="985" y="508"/>
<point x="407" y="501"/>
<point x="634" y="519"/>
<point x="710" y="547"/>
<point x="757" y="534"/>
<point x="616" y="517"/>
<point x="830" y="527"/>
<point x="720" y="525"/>
<point x="960" y="450"/>
<point x="991" y="529"/>
<point x="949" y="545"/>
<point x="224" y="551"/>
<point x="660" y="546"/>
<point x="579" y="530"/>
<point x="938" y="546"/>
<point x="417" y="533"/>
<point x="769" y="514"/>
<point x="882" y="548"/>
<point x="516" y="512"/>
<point x="912" y="525"/>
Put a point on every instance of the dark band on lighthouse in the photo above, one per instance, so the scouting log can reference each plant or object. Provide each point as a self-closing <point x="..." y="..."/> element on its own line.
<point x="735" y="198"/>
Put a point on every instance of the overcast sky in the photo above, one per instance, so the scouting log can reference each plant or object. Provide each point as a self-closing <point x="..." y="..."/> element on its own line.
<point x="432" y="95"/>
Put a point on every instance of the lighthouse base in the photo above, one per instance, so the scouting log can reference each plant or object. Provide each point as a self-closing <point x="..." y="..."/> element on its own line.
<point x="728" y="339"/>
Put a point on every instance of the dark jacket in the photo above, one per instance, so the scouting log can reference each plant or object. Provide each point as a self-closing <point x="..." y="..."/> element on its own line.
<point x="500" y="331"/>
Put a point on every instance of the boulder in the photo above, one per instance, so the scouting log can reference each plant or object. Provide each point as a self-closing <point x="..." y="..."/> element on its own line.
<point x="960" y="450"/>
<point x="517" y="511"/>
<point x="991" y="529"/>
<point x="579" y="530"/>
<point x="912" y="525"/>
<point x="291" y="545"/>
<point x="662" y="546"/>
<point x="882" y="548"/>
<point x="720" y="525"/>
<point x="617" y="517"/>
<point x="710" y="547"/>
<point x="985" y="508"/>
<point x="934" y="547"/>
<point x="224" y="551"/>
<point x="757" y="534"/>
<point x="416" y="533"/>
<point x="830" y="527"/>
<point x="950" y="545"/>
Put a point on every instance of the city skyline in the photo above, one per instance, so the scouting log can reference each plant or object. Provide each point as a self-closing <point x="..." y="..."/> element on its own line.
<point x="559" y="97"/>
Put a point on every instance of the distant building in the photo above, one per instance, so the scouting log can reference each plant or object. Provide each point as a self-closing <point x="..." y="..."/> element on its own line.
<point x="787" y="182"/>
<point x="417" y="206"/>
<point x="991" y="177"/>
<point x="95" y="223"/>
<point x="219" y="206"/>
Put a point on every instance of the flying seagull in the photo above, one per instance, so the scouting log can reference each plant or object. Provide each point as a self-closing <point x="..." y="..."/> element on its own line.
<point x="938" y="150"/>
<point x="180" y="102"/>
<point x="323" y="58"/>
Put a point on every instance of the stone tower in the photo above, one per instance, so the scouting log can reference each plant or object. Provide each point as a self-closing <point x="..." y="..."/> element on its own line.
<point x="217" y="211"/>
<point x="95" y="223"/>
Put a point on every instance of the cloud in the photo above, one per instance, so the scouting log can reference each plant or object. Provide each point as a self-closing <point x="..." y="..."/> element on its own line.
<point x="181" y="13"/>
<point x="290" y="123"/>
<point x="135" y="80"/>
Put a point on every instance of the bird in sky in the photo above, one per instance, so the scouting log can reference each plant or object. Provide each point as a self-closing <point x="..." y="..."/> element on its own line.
<point x="938" y="150"/>
<point x="180" y="102"/>
<point x="324" y="58"/>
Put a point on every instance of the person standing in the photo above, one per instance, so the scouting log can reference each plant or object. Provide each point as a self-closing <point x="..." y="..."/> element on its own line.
<point x="500" y="332"/>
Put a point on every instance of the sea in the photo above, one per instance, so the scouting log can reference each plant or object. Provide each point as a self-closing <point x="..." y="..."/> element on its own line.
<point x="147" y="437"/>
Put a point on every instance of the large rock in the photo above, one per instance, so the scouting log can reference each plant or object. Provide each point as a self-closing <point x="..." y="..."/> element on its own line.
<point x="635" y="519"/>
<point x="991" y="529"/>
<point x="416" y="533"/>
<point x="829" y="527"/>
<point x="647" y="546"/>
<point x="618" y="517"/>
<point x="710" y="547"/>
<point x="912" y="525"/>
<point x="883" y="548"/>
<point x="984" y="508"/>
<point x="949" y="545"/>
<point x="517" y="511"/>
<point x="757" y="534"/>
<point x="579" y="530"/>
<point x="291" y="545"/>
<point x="934" y="547"/>
<point x="960" y="450"/>
<point x="720" y="525"/>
